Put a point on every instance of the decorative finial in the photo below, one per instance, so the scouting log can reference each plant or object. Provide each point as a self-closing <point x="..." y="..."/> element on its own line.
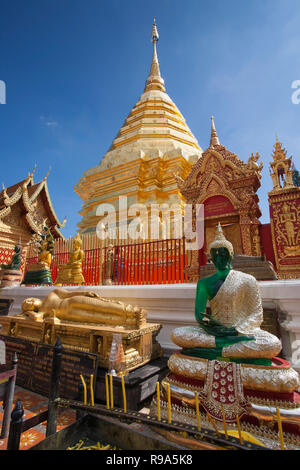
<point x="214" y="140"/>
<point x="154" y="80"/>
<point x="155" y="35"/>
<point x="45" y="177"/>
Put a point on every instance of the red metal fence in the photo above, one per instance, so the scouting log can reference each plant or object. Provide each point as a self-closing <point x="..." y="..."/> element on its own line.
<point x="154" y="262"/>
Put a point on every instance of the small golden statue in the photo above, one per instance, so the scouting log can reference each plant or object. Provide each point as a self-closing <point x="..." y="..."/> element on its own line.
<point x="71" y="273"/>
<point x="109" y="265"/>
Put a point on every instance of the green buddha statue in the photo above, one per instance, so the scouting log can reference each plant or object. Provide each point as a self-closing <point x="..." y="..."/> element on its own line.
<point x="16" y="259"/>
<point x="232" y="330"/>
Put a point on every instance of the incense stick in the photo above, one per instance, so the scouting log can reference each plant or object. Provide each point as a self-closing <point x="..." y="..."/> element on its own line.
<point x="224" y="422"/>
<point x="107" y="391"/>
<point x="280" y="429"/>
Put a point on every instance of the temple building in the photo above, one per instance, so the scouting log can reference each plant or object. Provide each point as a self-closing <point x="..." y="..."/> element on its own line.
<point x="24" y="207"/>
<point x="152" y="146"/>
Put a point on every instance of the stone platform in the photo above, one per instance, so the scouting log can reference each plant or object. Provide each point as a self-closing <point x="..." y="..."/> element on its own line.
<point x="10" y="277"/>
<point x="140" y="384"/>
<point x="257" y="266"/>
<point x="140" y="345"/>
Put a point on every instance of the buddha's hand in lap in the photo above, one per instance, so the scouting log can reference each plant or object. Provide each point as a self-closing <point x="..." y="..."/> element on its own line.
<point x="214" y="328"/>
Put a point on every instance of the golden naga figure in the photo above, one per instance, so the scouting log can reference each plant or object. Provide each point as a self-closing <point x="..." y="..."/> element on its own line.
<point x="40" y="273"/>
<point x="83" y="307"/>
<point x="71" y="273"/>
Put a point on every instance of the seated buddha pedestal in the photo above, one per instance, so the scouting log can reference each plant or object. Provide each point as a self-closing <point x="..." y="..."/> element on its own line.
<point x="231" y="337"/>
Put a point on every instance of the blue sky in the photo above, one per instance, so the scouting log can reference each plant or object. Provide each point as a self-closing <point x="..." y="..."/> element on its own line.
<point x="74" y="69"/>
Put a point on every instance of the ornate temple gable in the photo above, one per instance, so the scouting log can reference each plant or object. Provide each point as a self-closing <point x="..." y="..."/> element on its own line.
<point x="227" y="187"/>
<point x="24" y="207"/>
<point x="226" y="173"/>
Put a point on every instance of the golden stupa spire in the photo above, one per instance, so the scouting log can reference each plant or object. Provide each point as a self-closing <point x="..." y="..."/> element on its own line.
<point x="214" y="140"/>
<point x="154" y="80"/>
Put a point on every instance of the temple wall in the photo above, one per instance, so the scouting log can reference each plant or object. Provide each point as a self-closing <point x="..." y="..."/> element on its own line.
<point x="172" y="305"/>
<point x="266" y="243"/>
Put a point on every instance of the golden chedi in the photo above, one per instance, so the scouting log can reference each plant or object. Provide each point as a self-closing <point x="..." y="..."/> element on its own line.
<point x="86" y="321"/>
<point x="71" y="273"/>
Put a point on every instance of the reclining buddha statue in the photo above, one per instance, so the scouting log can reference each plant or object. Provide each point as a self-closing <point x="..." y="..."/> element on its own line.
<point x="83" y="307"/>
<point x="232" y="330"/>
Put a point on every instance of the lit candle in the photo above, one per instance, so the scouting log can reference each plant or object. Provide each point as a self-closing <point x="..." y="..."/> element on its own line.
<point x="224" y="422"/>
<point x="92" y="390"/>
<point x="169" y="404"/>
<point x="213" y="424"/>
<point x="158" y="400"/>
<point x="107" y="391"/>
<point x="239" y="429"/>
<point x="124" y="394"/>
<point x="197" y="411"/>
<point x="111" y="391"/>
<point x="280" y="429"/>
<point x="84" y="388"/>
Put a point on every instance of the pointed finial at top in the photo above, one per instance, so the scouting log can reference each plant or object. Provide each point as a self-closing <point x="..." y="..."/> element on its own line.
<point x="155" y="35"/>
<point x="46" y="176"/>
<point x="154" y="80"/>
<point x="214" y="140"/>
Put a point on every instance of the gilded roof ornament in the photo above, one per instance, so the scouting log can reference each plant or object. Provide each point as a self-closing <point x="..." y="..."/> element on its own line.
<point x="154" y="80"/>
<point x="214" y="140"/>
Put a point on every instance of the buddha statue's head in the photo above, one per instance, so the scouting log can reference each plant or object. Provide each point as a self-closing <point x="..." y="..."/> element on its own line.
<point x="44" y="245"/>
<point x="77" y="242"/>
<point x="221" y="251"/>
<point x="31" y="304"/>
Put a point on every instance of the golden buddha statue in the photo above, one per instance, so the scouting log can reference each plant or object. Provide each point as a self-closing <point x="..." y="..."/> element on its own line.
<point x="83" y="307"/>
<point x="40" y="273"/>
<point x="85" y="321"/>
<point x="71" y="273"/>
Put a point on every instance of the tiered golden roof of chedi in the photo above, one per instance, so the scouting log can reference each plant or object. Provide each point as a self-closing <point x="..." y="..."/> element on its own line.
<point x="153" y="144"/>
